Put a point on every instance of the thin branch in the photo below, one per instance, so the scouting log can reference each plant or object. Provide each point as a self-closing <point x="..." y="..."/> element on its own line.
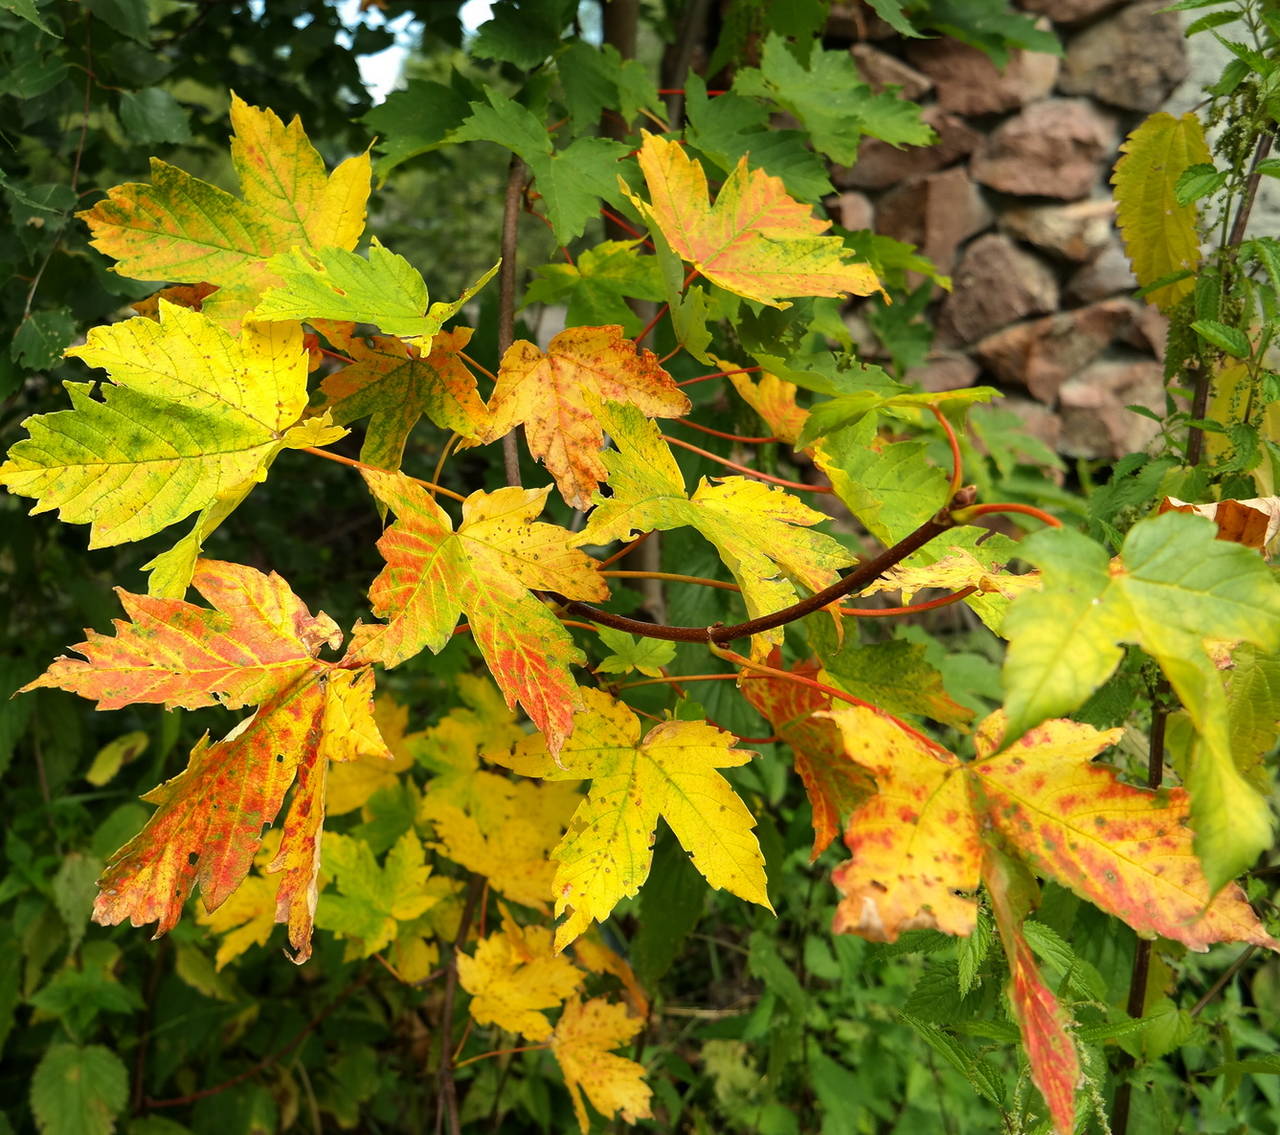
<point x="1241" y="223"/>
<point x="1224" y="979"/>
<point x="913" y="609"/>
<point x="746" y="470"/>
<point x="503" y="1052"/>
<point x="957" y="462"/>
<point x="362" y="465"/>
<point x="673" y="577"/>
<point x="719" y="374"/>
<point x="727" y="436"/>
<point x="447" y="1100"/>
<point x="969" y="515"/>
<point x="507" y="296"/>
<point x="652" y="323"/>
<point x="860" y="577"/>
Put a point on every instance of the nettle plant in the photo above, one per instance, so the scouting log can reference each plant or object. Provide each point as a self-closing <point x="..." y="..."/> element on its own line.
<point x="278" y="334"/>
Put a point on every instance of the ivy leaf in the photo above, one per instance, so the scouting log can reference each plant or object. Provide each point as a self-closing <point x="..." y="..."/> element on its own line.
<point x="606" y="854"/>
<point x="552" y="394"/>
<point x="755" y="241"/>
<point x="831" y="101"/>
<point x="647" y="655"/>
<point x="513" y="975"/>
<point x="1159" y="232"/>
<point x="582" y="1043"/>
<point x="191" y="416"/>
<point x="1172" y="587"/>
<point x="384" y="290"/>
<point x="259" y="645"/>
<point x="183" y="229"/>
<point x="761" y="533"/>
<point x="485" y="569"/>
<point x="571" y="181"/>
<point x="835" y="784"/>
<point x="394" y="385"/>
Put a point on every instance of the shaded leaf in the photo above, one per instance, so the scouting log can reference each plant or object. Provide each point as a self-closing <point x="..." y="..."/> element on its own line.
<point x="582" y="1043"/>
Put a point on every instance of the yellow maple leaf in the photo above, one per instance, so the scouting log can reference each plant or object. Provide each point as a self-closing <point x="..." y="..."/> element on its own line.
<point x="755" y="241"/>
<point x="183" y="229"/>
<point x="956" y="570"/>
<point x="513" y="975"/>
<point x="582" y="1043"/>
<point x="355" y="780"/>
<point x="608" y="849"/>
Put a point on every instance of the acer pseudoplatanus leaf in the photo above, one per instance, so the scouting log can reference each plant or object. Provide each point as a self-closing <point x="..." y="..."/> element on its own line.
<point x="257" y="645"/>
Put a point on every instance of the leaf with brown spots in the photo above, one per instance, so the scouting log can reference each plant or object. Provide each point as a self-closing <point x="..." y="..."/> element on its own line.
<point x="834" y="783"/>
<point x="552" y="394"/>
<point x="486" y="570"/>
<point x="259" y="645"/>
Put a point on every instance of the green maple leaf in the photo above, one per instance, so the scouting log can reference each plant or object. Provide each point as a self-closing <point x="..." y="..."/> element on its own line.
<point x="831" y="100"/>
<point x="1172" y="587"/>
<point x="192" y="417"/>
<point x="571" y="181"/>
<point x="761" y="533"/>
<point x="647" y="655"/>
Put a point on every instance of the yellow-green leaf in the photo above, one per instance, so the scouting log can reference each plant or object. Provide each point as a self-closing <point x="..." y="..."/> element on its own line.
<point x="1159" y="234"/>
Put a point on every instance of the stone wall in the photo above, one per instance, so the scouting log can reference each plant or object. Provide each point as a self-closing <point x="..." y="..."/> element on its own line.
<point x="1014" y="205"/>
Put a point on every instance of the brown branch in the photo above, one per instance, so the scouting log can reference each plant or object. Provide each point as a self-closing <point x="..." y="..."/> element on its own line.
<point x="507" y="296"/>
<point x="447" y="1101"/>
<point x="860" y="577"/>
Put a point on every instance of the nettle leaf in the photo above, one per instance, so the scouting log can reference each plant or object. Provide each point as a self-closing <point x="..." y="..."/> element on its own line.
<point x="608" y="849"/>
<point x="384" y="290"/>
<point x="192" y="416"/>
<point x="1160" y="231"/>
<point x="755" y="241"/>
<point x="921" y="844"/>
<point x="485" y="570"/>
<point x="394" y="385"/>
<point x="1172" y="587"/>
<point x="183" y="229"/>
<point x="552" y="394"/>
<point x="832" y="102"/>
<point x="761" y="533"/>
<point x="258" y="646"/>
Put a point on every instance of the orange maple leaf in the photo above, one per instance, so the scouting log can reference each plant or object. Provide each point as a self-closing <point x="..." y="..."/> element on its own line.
<point x="258" y="646"/>
<point x="484" y="569"/>
<point x="582" y="1043"/>
<point x="549" y="392"/>
<point x="755" y="241"/>
<point x="835" y="783"/>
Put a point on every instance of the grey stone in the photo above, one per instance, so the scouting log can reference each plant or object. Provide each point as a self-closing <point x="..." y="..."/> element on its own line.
<point x="943" y="370"/>
<point x="854" y="211"/>
<point x="1068" y="11"/>
<point x="880" y="69"/>
<point x="1095" y="422"/>
<point x="967" y="82"/>
<point x="880" y="165"/>
<point x="995" y="284"/>
<point x="1133" y="59"/>
<point x="1076" y="231"/>
<point x="1107" y="274"/>
<point x="936" y="213"/>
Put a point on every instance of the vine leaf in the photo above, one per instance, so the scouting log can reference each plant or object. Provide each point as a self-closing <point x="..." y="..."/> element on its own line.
<point x="384" y="290"/>
<point x="513" y="976"/>
<point x="761" y="533"/>
<point x="551" y="393"/>
<point x="258" y="646"/>
<point x="1159" y="234"/>
<point x="834" y="783"/>
<point x="192" y="417"/>
<point x="484" y="570"/>
<point x="607" y="851"/>
<point x="582" y="1042"/>
<point x="1173" y="587"/>
<point x="919" y="846"/>
<point x="394" y="385"/>
<point x="755" y="241"/>
<point x="183" y="229"/>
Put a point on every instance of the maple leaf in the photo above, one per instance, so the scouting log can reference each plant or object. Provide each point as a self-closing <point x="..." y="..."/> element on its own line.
<point x="607" y="851"/>
<point x="755" y="241"/>
<point x="384" y="290"/>
<point x="760" y="532"/>
<point x="183" y="229"/>
<point x="485" y="570"/>
<point x="774" y="399"/>
<point x="834" y="783"/>
<point x="513" y="975"/>
<point x="551" y="393"/>
<point x="1253" y="523"/>
<point x="627" y="653"/>
<point x="394" y="386"/>
<point x="259" y="645"/>
<point x="351" y="783"/>
<point x="1173" y="586"/>
<point x="192" y="416"/>
<point x="582" y="1043"/>
<point x="248" y="916"/>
